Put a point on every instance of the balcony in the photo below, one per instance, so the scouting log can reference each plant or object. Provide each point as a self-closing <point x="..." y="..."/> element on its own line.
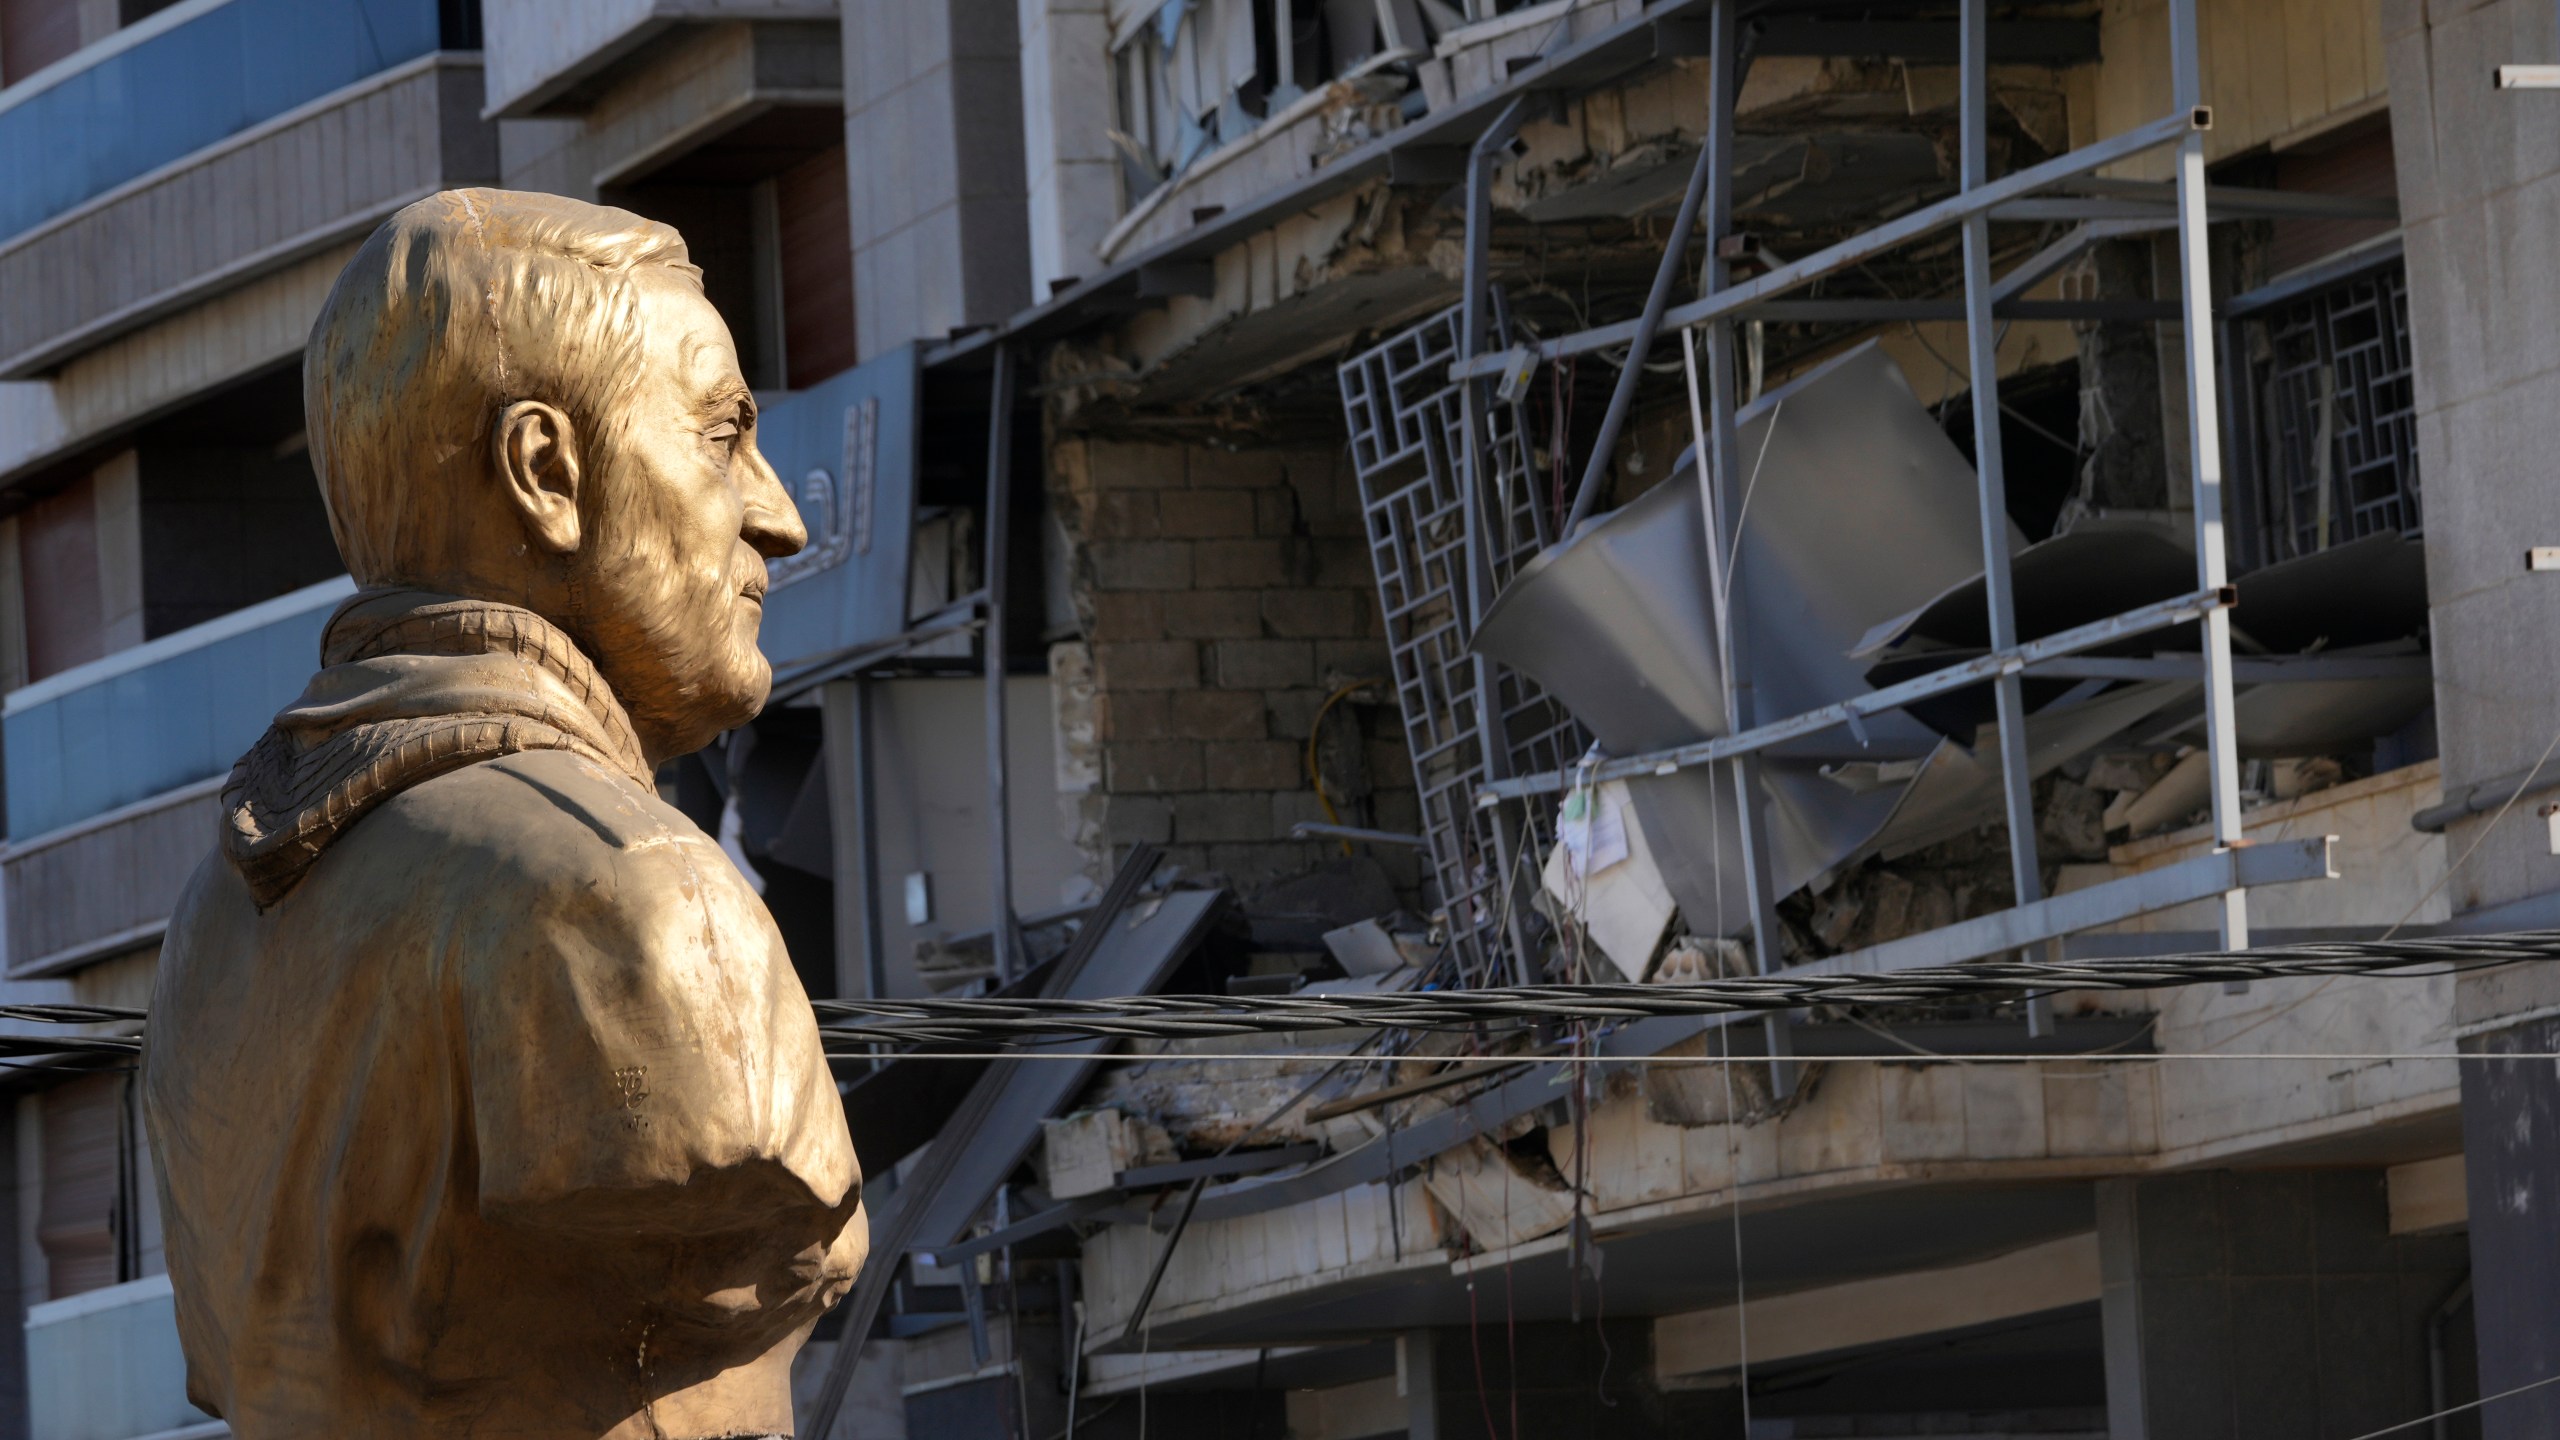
<point x="112" y="771"/>
<point x="157" y="93"/>
<point x="105" y="1366"/>
<point x="734" y="103"/>
<point x="145" y="721"/>
<point x="141" y="723"/>
<point x="545" y="55"/>
<point x="113" y="766"/>
<point x="208" y="152"/>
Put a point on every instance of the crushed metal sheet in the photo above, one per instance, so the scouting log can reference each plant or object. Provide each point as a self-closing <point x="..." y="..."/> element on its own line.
<point x="2321" y="717"/>
<point x="2069" y="580"/>
<point x="1860" y="509"/>
<point x="2359" y="593"/>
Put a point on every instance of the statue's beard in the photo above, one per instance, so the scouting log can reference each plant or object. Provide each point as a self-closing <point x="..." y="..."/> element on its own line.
<point x="677" y="644"/>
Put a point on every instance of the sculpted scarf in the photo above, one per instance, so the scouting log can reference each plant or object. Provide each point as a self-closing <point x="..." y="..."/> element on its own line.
<point x="412" y="685"/>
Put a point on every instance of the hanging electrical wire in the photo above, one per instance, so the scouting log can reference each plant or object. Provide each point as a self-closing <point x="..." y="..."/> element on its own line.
<point x="847" y="1024"/>
<point x="1196" y="1016"/>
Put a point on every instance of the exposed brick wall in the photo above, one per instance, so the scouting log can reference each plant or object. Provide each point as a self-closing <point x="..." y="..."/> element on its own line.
<point x="1224" y="596"/>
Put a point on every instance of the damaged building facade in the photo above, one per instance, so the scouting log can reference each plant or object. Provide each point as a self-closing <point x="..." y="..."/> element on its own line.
<point x="1325" y="496"/>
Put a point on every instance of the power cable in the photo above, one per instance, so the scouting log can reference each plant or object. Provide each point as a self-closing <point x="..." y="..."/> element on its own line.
<point x="2458" y="1409"/>
<point x="1201" y="1016"/>
<point x="2260" y="1022"/>
<point x="849" y="1024"/>
<point x="1988" y="1057"/>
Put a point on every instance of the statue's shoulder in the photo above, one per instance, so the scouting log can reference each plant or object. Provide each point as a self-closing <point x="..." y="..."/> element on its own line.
<point x="549" y="814"/>
<point x="550" y="854"/>
<point x="541" y="853"/>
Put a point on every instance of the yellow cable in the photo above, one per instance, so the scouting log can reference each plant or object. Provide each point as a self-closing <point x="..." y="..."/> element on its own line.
<point x="1315" y="732"/>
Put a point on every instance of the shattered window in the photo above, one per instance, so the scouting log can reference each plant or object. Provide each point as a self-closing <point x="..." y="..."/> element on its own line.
<point x="1191" y="75"/>
<point x="2334" y="454"/>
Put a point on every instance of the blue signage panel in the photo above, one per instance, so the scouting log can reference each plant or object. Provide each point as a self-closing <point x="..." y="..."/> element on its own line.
<point x="846" y="450"/>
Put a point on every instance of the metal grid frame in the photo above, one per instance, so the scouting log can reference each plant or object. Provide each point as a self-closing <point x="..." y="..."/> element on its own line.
<point x="1408" y="437"/>
<point x="1725" y="302"/>
<point x="2343" y="349"/>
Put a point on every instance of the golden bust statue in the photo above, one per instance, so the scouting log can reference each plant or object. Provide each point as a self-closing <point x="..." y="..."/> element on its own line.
<point x="485" y="1099"/>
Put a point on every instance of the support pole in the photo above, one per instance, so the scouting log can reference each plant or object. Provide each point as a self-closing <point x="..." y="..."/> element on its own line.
<point x="866" y="821"/>
<point x="1623" y="398"/>
<point x="1492" y="743"/>
<point x="1982" y="347"/>
<point x="1004" y="940"/>
<point x="853" y="796"/>
<point x="1724" y="518"/>
<point x="2204" y="456"/>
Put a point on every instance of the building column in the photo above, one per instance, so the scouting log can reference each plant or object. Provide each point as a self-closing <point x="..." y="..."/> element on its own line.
<point x="1071" y="170"/>
<point x="933" y="142"/>
<point x="2264" y="1306"/>
<point x="2511" y="1162"/>
<point x="1418" y="1378"/>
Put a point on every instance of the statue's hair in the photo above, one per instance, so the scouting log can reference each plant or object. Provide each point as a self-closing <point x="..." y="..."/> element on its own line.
<point x="457" y="307"/>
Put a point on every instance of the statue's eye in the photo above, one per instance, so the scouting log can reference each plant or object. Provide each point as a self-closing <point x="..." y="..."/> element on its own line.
<point x="722" y="433"/>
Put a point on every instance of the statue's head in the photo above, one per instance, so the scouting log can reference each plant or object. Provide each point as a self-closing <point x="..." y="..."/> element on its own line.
<point x="527" y="399"/>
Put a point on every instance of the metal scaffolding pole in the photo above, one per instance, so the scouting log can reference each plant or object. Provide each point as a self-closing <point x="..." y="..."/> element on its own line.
<point x="1004" y="940"/>
<point x="866" y="817"/>
<point x="2204" y="453"/>
<point x="844" y="709"/>
<point x="1630" y="375"/>
<point x="853" y="803"/>
<point x="1493" y="744"/>
<point x="1982" y="349"/>
<point x="1720" y="469"/>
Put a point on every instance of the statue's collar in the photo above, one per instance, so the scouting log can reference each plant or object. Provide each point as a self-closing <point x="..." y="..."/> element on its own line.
<point x="384" y="624"/>
<point x="412" y="684"/>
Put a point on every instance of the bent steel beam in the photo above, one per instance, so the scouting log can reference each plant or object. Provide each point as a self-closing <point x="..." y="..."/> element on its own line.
<point x="2280" y="862"/>
<point x="1492" y="746"/>
<point x="2148" y="618"/>
<point x="1008" y="941"/>
<point x="1674" y="250"/>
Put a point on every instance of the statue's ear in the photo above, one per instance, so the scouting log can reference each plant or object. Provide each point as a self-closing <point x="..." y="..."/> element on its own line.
<point x="536" y="461"/>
